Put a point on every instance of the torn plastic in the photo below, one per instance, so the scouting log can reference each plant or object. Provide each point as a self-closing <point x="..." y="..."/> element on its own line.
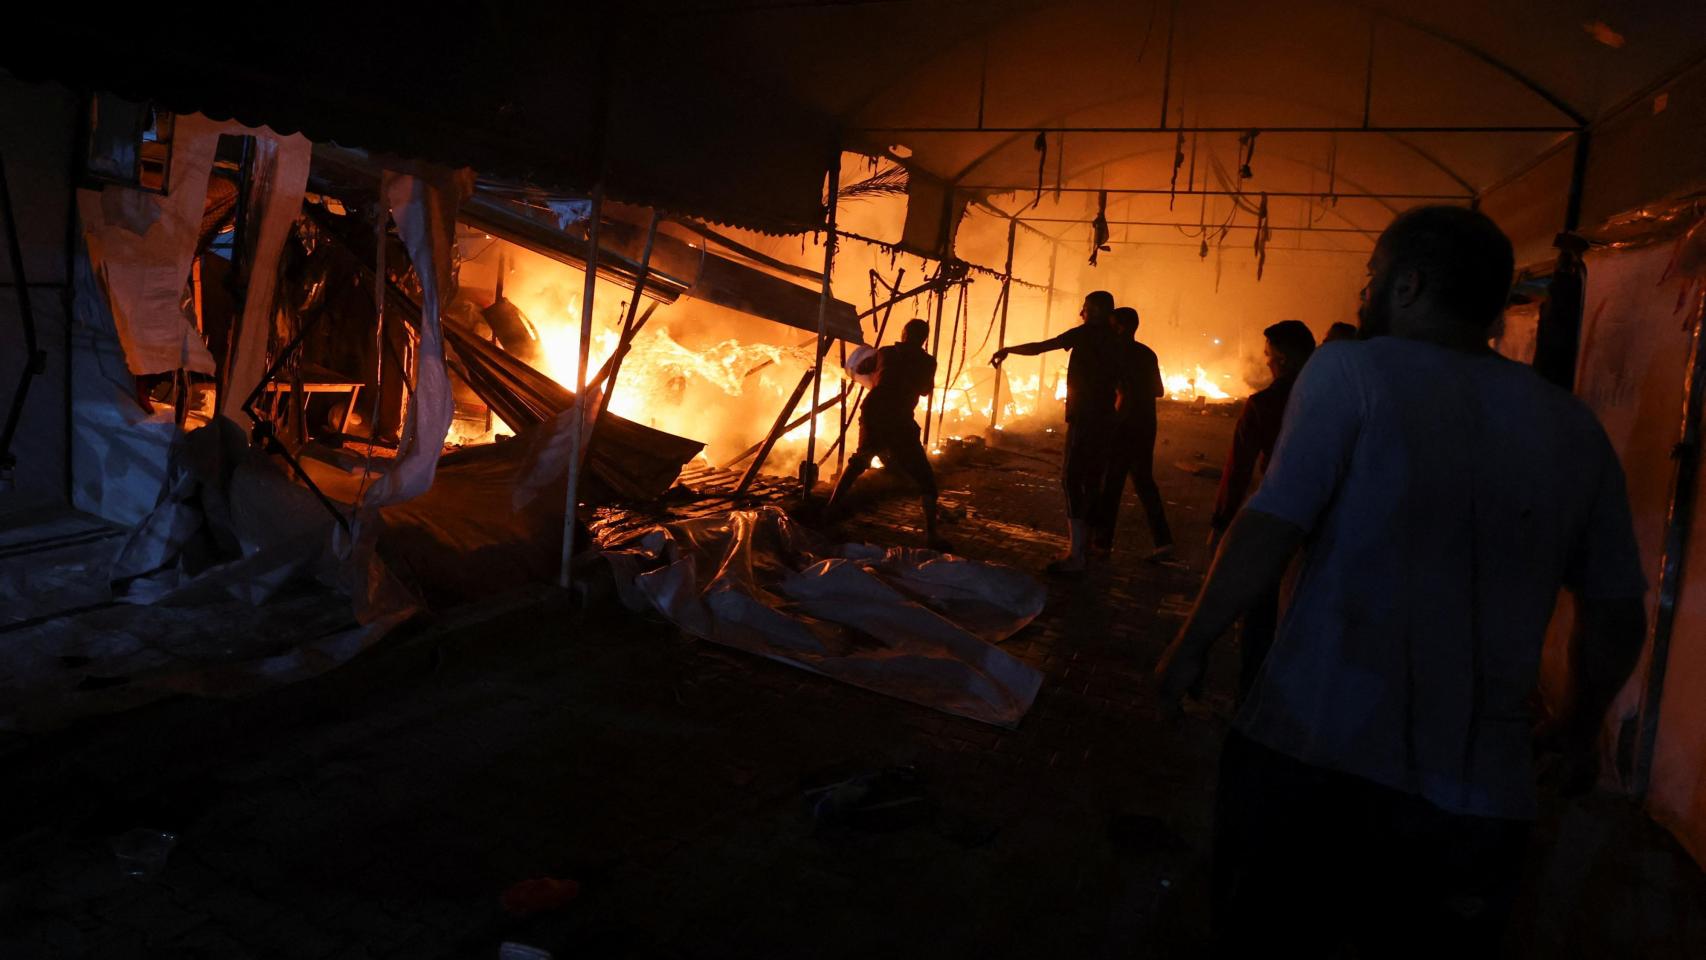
<point x="237" y="580"/>
<point x="909" y="623"/>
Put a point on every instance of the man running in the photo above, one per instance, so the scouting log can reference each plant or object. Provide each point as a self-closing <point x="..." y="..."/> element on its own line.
<point x="1091" y="377"/>
<point x="904" y="372"/>
<point x="1133" y="450"/>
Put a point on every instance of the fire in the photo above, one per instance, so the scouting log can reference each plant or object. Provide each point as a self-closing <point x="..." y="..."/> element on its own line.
<point x="1184" y="386"/>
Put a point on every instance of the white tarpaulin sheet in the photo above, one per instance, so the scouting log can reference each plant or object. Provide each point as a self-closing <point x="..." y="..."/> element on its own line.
<point x="913" y="624"/>
<point x="141" y="245"/>
<point x="425" y="213"/>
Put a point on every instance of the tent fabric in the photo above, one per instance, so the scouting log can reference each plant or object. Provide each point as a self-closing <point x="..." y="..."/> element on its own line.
<point x="279" y="176"/>
<point x="232" y="583"/>
<point x="1632" y="372"/>
<point x="141" y="244"/>
<point x="627" y="459"/>
<point x="118" y="448"/>
<point x="425" y="213"/>
<point x="907" y="623"/>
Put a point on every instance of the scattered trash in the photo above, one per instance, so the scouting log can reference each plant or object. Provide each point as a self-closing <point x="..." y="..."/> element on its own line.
<point x="521" y="951"/>
<point x="888" y="799"/>
<point x="1198" y="468"/>
<point x="539" y="895"/>
<point x="142" y="852"/>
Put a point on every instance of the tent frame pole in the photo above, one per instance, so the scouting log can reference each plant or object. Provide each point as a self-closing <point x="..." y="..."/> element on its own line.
<point x="808" y="466"/>
<point x="1001" y="336"/>
<point x="579" y="428"/>
<point x="613" y="366"/>
<point x="1048" y="309"/>
<point x="1679" y="520"/>
<point x="935" y="349"/>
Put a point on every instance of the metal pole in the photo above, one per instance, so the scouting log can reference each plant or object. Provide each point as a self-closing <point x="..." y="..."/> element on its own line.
<point x="579" y="427"/>
<point x="614" y="364"/>
<point x="808" y="466"/>
<point x="1048" y="308"/>
<point x="1001" y="337"/>
<point x="935" y="349"/>
<point x="1678" y="522"/>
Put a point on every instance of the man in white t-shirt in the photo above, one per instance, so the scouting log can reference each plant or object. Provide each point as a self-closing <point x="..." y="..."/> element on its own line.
<point x="1378" y="784"/>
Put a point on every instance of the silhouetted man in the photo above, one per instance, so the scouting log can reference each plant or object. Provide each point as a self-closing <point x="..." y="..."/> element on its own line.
<point x="1288" y="346"/>
<point x="1378" y="784"/>
<point x="1090" y="395"/>
<point x="1340" y="331"/>
<point x="1133" y="449"/>
<point x="904" y="372"/>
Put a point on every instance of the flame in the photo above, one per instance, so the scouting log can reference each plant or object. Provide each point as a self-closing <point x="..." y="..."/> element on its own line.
<point x="1185" y="386"/>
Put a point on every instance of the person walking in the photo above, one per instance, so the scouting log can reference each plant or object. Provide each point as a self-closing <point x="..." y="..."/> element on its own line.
<point x="1132" y="452"/>
<point x="1091" y="388"/>
<point x="1378" y="784"/>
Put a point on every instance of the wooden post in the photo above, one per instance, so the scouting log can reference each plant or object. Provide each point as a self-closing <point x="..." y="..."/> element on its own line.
<point x="580" y="422"/>
<point x="1001" y="337"/>
<point x="808" y="466"/>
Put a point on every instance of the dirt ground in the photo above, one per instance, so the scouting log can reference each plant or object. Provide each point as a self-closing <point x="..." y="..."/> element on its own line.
<point x="383" y="809"/>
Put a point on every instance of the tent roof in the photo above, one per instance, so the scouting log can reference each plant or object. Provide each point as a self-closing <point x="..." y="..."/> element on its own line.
<point x="726" y="109"/>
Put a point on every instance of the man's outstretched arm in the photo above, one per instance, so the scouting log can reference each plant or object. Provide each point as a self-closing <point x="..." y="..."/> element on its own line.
<point x="1030" y="349"/>
<point x="1252" y="559"/>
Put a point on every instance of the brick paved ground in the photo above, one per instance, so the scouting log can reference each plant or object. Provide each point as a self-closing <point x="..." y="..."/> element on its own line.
<point x="380" y="810"/>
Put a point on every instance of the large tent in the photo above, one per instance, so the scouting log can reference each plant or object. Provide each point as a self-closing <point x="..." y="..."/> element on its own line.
<point x="1285" y="131"/>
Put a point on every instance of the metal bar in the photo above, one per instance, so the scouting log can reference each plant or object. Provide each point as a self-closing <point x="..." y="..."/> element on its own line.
<point x="572" y="497"/>
<point x="808" y="466"/>
<point x="1678" y="520"/>
<point x="802" y="418"/>
<point x="776" y="430"/>
<point x="238" y="279"/>
<point x="1048" y="309"/>
<point x="35" y="362"/>
<point x="1538" y="128"/>
<point x="613" y="366"/>
<point x="924" y="287"/>
<point x="1368" y="71"/>
<point x="1216" y="229"/>
<point x="1578" y="175"/>
<point x="935" y="349"/>
<point x="1297" y="194"/>
<point x="1007" y="289"/>
<point x="1166" y="71"/>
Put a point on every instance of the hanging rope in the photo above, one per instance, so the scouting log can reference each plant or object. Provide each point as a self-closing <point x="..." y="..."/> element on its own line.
<point x="1041" y="146"/>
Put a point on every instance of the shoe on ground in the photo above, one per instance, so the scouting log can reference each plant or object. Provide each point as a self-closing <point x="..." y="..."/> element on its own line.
<point x="1067" y="566"/>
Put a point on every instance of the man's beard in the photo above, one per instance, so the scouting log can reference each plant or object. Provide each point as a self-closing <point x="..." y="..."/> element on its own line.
<point x="1374" y="317"/>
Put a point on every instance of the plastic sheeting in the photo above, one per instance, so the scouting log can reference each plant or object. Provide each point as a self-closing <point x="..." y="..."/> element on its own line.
<point x="425" y="213"/>
<point x="913" y="624"/>
<point x="278" y="177"/>
<point x="141" y="245"/>
<point x="233" y="582"/>
<point x="1632" y="372"/>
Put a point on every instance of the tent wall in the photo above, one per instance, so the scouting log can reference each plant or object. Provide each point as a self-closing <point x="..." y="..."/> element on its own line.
<point x="1649" y="150"/>
<point x="37" y="134"/>
<point x="1632" y="372"/>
